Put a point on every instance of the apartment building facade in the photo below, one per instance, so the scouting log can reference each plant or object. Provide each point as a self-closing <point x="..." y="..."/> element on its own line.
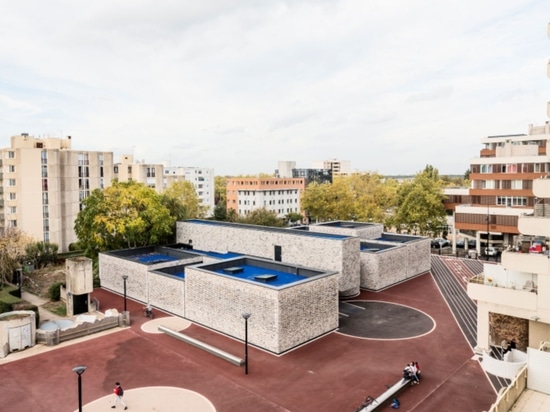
<point x="279" y="195"/>
<point x="43" y="184"/>
<point x="513" y="298"/>
<point x="202" y="178"/>
<point x="337" y="167"/>
<point x="311" y="175"/>
<point x="127" y="169"/>
<point x="501" y="188"/>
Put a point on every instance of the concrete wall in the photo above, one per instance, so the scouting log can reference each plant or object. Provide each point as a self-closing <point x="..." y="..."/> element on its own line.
<point x="329" y="253"/>
<point x="280" y="318"/>
<point x="386" y="267"/>
<point x="362" y="230"/>
<point x="161" y="291"/>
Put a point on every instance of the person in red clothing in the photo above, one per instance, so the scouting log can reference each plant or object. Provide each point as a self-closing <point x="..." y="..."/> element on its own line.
<point x="119" y="393"/>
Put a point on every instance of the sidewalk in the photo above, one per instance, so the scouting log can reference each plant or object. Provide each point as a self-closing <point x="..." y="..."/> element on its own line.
<point x="45" y="315"/>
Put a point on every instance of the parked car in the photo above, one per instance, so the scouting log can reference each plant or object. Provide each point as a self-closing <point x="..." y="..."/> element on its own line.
<point x="460" y="243"/>
<point x="472" y="244"/>
<point x="491" y="251"/>
<point x="440" y="242"/>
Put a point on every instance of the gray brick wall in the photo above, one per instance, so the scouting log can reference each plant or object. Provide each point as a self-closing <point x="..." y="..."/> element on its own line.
<point x="339" y="254"/>
<point x="280" y="319"/>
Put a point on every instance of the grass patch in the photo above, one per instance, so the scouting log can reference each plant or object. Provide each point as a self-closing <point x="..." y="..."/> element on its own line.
<point x="58" y="308"/>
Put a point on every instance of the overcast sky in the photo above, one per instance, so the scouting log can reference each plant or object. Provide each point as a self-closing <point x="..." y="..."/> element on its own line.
<point x="237" y="85"/>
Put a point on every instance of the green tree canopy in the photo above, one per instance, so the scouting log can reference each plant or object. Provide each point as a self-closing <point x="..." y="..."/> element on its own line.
<point x="366" y="197"/>
<point x="41" y="253"/>
<point x="420" y="204"/>
<point x="124" y="215"/>
<point x="220" y="189"/>
<point x="182" y="201"/>
<point x="262" y="217"/>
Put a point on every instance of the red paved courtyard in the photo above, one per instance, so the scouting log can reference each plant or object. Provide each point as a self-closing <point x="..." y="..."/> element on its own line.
<point x="332" y="374"/>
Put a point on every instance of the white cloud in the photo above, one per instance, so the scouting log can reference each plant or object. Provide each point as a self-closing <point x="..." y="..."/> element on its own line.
<point x="238" y="85"/>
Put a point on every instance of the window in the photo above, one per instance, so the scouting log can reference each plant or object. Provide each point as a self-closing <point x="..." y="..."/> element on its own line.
<point x="44" y="198"/>
<point x="12" y="223"/>
<point x="45" y="211"/>
<point x="11" y="155"/>
<point x="44" y="170"/>
<point x="44" y="157"/>
<point x="44" y="185"/>
<point x="13" y="196"/>
<point x="12" y="209"/>
<point x="11" y="168"/>
<point x="116" y="169"/>
<point x="11" y="182"/>
<point x="517" y="184"/>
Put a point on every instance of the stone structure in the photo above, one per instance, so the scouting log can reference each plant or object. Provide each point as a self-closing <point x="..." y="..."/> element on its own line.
<point x="330" y="252"/>
<point x="185" y="279"/>
<point x="17" y="331"/>
<point x="148" y="282"/>
<point x="79" y="278"/>
<point x="281" y="317"/>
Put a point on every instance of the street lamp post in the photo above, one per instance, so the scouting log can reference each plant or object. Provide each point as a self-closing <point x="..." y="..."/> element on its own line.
<point x="79" y="370"/>
<point x="245" y="317"/>
<point x="125" y="278"/>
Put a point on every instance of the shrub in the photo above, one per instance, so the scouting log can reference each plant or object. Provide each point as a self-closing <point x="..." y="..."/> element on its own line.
<point x="55" y="291"/>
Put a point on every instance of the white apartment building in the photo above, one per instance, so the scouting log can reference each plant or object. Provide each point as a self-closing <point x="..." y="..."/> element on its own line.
<point x="43" y="183"/>
<point x="337" y="167"/>
<point x="513" y="299"/>
<point x="202" y="178"/>
<point x="149" y="174"/>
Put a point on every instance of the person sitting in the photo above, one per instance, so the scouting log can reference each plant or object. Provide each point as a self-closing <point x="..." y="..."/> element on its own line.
<point x="412" y="372"/>
<point x="407" y="373"/>
<point x="148" y="311"/>
<point x="417" y="368"/>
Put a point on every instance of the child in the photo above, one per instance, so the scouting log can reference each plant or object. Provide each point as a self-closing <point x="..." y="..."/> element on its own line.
<point x="395" y="403"/>
<point x="119" y="392"/>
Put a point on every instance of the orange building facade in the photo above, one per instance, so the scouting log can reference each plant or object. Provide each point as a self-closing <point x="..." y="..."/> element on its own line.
<point x="280" y="195"/>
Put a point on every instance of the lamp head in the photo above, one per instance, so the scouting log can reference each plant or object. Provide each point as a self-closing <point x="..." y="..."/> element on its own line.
<point x="125" y="277"/>
<point x="79" y="370"/>
<point x="246" y="315"/>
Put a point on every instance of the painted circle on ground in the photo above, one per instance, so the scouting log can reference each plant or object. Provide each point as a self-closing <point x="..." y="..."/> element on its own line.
<point x="382" y="320"/>
<point x="155" y="398"/>
<point x="170" y="322"/>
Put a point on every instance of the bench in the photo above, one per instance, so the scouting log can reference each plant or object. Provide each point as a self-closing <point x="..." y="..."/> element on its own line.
<point x="204" y="346"/>
<point x="371" y="404"/>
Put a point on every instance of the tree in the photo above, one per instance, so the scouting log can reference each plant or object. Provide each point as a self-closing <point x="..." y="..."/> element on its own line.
<point x="182" y="201"/>
<point x="262" y="217"/>
<point x="315" y="201"/>
<point x="41" y="253"/>
<point x="220" y="211"/>
<point x="220" y="190"/>
<point x="124" y="215"/>
<point x="374" y="196"/>
<point x="12" y="250"/>
<point x="420" y="204"/>
<point x="293" y="217"/>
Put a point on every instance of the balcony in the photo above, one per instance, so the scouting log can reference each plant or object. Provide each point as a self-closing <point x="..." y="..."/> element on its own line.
<point x="541" y="188"/>
<point x="538" y="263"/>
<point x="521" y="296"/>
<point x="535" y="225"/>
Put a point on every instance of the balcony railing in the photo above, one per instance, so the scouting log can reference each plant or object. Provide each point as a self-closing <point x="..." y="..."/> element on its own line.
<point x="514" y="282"/>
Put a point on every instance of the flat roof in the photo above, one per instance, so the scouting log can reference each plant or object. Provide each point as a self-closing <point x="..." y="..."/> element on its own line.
<point x="268" y="229"/>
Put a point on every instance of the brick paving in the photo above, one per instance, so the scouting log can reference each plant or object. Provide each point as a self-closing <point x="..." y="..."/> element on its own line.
<point x="331" y="374"/>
